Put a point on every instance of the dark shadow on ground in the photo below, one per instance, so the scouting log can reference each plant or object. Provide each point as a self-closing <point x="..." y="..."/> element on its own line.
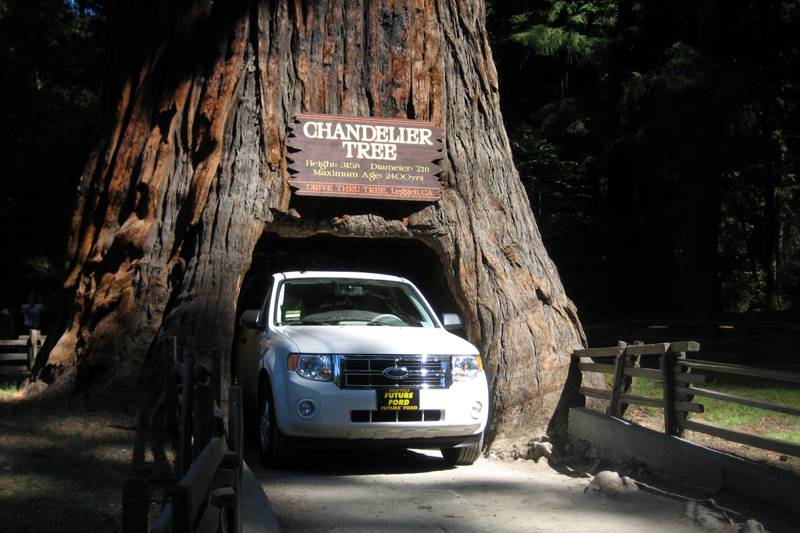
<point x="356" y="462"/>
<point x="62" y="465"/>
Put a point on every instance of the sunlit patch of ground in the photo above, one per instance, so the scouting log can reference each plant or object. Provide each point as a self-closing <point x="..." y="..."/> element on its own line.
<point x="8" y="393"/>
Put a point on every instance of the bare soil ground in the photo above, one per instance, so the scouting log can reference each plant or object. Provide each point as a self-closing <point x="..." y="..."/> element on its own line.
<point x="415" y="491"/>
<point x="62" y="464"/>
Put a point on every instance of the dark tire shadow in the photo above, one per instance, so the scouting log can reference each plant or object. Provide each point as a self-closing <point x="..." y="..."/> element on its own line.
<point x="355" y="462"/>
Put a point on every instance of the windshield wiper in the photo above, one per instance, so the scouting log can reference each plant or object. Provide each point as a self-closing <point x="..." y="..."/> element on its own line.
<point x="309" y="323"/>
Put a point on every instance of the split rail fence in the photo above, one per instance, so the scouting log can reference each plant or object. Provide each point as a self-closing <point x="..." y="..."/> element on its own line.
<point x="682" y="379"/>
<point x="23" y="349"/>
<point x="209" y="462"/>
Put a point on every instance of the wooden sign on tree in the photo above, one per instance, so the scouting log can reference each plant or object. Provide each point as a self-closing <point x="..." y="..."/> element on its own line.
<point x="388" y="159"/>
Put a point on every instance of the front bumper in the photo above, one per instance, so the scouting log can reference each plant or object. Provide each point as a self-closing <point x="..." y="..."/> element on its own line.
<point x="433" y="443"/>
<point x="332" y="419"/>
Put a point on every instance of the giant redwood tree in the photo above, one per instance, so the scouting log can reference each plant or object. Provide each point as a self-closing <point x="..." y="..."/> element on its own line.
<point x="189" y="170"/>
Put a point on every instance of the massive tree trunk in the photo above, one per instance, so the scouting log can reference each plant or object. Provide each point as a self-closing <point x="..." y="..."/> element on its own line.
<point x="190" y="170"/>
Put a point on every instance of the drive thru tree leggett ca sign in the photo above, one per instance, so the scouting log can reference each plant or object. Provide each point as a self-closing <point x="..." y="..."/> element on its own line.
<point x="380" y="158"/>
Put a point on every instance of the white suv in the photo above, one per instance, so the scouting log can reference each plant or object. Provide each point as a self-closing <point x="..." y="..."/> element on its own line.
<point x="356" y="359"/>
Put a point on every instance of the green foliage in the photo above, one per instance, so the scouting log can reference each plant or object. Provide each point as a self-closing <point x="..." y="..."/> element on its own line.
<point x="51" y="74"/>
<point x="666" y="130"/>
<point x="577" y="31"/>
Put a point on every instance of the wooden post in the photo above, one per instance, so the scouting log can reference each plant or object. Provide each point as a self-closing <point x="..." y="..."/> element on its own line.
<point x="238" y="429"/>
<point x="185" y="447"/>
<point x="170" y="387"/>
<point x="235" y="420"/>
<point x="236" y="444"/>
<point x="216" y="375"/>
<point x="668" y="378"/>
<point x="134" y="505"/>
<point x="627" y="381"/>
<point x="679" y="395"/>
<point x="33" y="348"/>
<point x="182" y="510"/>
<point x="681" y="416"/>
<point x="202" y="418"/>
<point x="614" y="407"/>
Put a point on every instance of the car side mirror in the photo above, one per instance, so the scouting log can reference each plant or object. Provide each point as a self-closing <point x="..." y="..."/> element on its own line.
<point x="250" y="319"/>
<point x="452" y="322"/>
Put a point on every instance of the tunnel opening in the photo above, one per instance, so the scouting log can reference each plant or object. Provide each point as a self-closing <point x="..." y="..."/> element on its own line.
<point x="407" y="258"/>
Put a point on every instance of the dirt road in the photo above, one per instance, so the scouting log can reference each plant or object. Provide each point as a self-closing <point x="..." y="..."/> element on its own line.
<point x="415" y="491"/>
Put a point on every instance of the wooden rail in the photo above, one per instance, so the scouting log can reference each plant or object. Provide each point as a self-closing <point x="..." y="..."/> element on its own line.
<point x="678" y="377"/>
<point x="206" y="497"/>
<point x="23" y="349"/>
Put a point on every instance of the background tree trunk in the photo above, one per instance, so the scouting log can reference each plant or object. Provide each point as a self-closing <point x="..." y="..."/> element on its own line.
<point x="190" y="170"/>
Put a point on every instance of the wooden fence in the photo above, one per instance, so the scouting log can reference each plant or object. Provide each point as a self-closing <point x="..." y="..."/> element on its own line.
<point x="209" y="456"/>
<point x="681" y="379"/>
<point x="23" y="349"/>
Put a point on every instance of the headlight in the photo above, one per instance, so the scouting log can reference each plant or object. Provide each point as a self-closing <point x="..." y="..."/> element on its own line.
<point x="316" y="367"/>
<point x="466" y="367"/>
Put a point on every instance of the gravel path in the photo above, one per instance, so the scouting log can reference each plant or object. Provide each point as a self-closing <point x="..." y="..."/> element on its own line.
<point x="415" y="491"/>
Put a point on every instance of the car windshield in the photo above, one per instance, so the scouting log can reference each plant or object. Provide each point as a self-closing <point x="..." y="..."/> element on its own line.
<point x="351" y="302"/>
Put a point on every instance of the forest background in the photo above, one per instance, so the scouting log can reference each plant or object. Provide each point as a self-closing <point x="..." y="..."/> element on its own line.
<point x="658" y="143"/>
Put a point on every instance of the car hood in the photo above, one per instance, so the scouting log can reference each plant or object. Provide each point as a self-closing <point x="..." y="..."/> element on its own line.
<point x="375" y="340"/>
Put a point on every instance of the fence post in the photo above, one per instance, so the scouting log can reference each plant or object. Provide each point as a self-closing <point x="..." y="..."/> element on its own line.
<point x="134" y="505"/>
<point x="668" y="379"/>
<point x="216" y="374"/>
<point x="614" y="407"/>
<point x="235" y="419"/>
<point x="236" y="445"/>
<point x="185" y="447"/>
<point x="170" y="387"/>
<point x="627" y="381"/>
<point x="202" y="418"/>
<point x="33" y="347"/>
<point x="679" y="396"/>
<point x="182" y="509"/>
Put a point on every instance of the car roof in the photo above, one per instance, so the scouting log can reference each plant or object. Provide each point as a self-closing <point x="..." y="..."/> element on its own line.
<point x="307" y="274"/>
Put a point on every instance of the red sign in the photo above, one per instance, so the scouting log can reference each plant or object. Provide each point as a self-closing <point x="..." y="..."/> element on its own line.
<point x="390" y="159"/>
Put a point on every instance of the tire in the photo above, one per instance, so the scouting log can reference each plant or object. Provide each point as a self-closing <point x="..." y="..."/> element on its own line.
<point x="463" y="456"/>
<point x="275" y="449"/>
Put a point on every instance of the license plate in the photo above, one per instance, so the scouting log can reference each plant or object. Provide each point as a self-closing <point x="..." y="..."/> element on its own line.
<point x="400" y="399"/>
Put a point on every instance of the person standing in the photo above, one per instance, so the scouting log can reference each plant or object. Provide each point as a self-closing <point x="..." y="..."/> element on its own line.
<point x="32" y="311"/>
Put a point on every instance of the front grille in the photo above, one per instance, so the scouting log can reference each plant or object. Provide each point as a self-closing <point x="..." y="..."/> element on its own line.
<point x="424" y="415"/>
<point x="366" y="371"/>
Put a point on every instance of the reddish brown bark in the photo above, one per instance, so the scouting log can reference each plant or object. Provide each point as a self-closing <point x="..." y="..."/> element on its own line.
<point x="190" y="170"/>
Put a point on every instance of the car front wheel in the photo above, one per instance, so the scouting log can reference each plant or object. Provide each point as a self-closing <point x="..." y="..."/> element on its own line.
<point x="463" y="456"/>
<point x="276" y="452"/>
